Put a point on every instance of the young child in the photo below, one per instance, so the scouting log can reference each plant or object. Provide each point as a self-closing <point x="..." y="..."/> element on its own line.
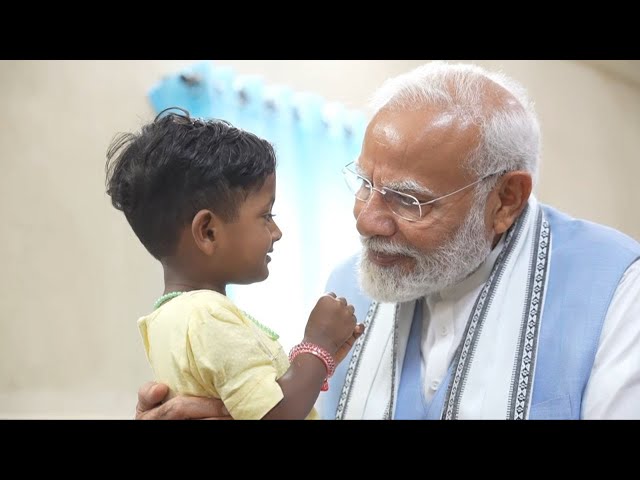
<point x="199" y="196"/>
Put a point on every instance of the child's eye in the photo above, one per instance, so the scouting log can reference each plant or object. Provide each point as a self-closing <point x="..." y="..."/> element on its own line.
<point x="269" y="216"/>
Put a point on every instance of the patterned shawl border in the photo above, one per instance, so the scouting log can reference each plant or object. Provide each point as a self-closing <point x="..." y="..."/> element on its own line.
<point x="464" y="355"/>
<point x="521" y="390"/>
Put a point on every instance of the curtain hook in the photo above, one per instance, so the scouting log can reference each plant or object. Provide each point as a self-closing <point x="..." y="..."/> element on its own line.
<point x="191" y="79"/>
<point x="243" y="96"/>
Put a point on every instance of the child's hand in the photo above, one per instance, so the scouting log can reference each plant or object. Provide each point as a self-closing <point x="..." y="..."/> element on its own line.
<point x="346" y="346"/>
<point x="331" y="324"/>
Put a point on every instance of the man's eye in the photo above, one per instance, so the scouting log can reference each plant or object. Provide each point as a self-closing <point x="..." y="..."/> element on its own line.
<point x="407" y="201"/>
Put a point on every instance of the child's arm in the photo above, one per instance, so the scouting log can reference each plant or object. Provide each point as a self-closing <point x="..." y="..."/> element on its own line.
<point x="332" y="327"/>
<point x="300" y="388"/>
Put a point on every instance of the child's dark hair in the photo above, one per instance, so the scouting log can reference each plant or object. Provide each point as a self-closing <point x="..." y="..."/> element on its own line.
<point x="177" y="165"/>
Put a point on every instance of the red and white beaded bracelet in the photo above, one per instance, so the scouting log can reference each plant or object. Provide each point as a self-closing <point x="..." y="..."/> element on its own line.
<point x="321" y="353"/>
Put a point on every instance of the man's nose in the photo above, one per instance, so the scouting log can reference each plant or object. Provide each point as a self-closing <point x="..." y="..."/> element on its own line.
<point x="373" y="217"/>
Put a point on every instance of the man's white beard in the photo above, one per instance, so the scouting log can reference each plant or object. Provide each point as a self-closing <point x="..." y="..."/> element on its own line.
<point x="446" y="266"/>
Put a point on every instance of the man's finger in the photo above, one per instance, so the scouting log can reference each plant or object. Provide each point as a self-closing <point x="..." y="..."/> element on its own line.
<point x="150" y="395"/>
<point x="187" y="408"/>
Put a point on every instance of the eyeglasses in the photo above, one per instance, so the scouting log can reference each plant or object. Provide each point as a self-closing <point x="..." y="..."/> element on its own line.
<point x="402" y="204"/>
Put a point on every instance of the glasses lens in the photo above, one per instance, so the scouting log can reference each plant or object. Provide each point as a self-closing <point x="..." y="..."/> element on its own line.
<point x="360" y="187"/>
<point x="403" y="205"/>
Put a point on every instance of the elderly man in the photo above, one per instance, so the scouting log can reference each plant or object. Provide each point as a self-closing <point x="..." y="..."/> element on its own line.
<point x="478" y="301"/>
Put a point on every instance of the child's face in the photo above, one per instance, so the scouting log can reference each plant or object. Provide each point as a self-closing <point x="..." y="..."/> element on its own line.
<point x="248" y="240"/>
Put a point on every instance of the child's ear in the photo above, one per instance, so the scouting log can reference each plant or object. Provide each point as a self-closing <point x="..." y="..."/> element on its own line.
<point x="204" y="228"/>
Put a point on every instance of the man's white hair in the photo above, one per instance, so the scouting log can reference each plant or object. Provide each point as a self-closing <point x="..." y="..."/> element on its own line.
<point x="510" y="132"/>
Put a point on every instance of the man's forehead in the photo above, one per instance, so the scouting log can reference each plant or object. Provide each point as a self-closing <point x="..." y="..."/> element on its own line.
<point x="385" y="168"/>
<point x="418" y="143"/>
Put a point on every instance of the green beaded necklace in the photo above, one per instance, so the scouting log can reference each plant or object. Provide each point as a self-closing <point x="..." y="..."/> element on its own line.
<point x="168" y="296"/>
<point x="270" y="333"/>
<point x="165" y="298"/>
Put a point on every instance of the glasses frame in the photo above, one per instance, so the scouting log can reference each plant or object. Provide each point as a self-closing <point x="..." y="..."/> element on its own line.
<point x="382" y="191"/>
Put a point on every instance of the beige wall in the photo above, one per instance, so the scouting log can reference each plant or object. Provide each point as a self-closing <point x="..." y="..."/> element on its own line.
<point x="75" y="278"/>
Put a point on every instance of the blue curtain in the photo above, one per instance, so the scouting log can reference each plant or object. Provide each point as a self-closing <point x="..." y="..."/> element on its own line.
<point x="313" y="139"/>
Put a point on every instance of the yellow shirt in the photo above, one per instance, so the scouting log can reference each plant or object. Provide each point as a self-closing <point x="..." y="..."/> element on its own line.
<point x="201" y="344"/>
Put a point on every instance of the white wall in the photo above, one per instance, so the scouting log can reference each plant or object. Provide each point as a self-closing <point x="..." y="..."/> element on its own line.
<point x="75" y="277"/>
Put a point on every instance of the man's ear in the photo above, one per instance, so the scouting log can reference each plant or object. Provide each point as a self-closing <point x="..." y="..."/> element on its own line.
<point x="205" y="228"/>
<point x="513" y="192"/>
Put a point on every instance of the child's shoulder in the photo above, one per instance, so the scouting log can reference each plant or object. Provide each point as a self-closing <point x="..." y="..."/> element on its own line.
<point x="212" y="303"/>
<point x="205" y="296"/>
<point x="195" y="304"/>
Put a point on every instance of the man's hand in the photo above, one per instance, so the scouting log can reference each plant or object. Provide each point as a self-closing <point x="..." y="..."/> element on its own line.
<point x="150" y="406"/>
